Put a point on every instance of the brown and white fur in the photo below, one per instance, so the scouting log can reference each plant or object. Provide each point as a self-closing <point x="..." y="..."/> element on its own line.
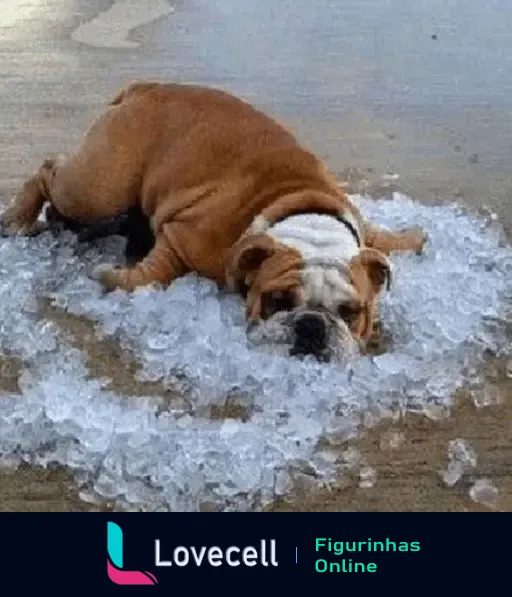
<point x="231" y="195"/>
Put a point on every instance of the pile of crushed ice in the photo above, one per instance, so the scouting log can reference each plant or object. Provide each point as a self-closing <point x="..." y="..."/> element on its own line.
<point x="446" y="311"/>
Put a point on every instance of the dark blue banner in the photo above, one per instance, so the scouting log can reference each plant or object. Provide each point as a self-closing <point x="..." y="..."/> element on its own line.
<point x="233" y="553"/>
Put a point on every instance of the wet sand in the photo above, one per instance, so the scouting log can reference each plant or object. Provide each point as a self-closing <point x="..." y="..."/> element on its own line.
<point x="409" y="477"/>
<point x="390" y="94"/>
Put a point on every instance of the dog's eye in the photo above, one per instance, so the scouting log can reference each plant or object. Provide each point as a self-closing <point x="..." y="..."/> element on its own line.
<point x="348" y="313"/>
<point x="277" y="301"/>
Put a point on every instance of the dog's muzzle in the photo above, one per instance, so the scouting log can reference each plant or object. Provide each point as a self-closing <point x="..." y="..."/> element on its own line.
<point x="311" y="335"/>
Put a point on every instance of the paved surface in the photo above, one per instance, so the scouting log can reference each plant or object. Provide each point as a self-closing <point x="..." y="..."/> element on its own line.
<point x="377" y="87"/>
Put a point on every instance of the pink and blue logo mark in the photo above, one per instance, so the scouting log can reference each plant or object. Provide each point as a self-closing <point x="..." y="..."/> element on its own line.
<point x="115" y="570"/>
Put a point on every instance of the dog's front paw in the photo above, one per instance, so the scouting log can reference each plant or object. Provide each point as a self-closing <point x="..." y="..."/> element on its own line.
<point x="417" y="239"/>
<point x="106" y="274"/>
<point x="423" y="239"/>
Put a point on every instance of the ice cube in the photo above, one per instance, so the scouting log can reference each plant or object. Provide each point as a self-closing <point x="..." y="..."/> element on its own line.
<point x="487" y="395"/>
<point x="391" y="440"/>
<point x="508" y="369"/>
<point x="282" y="484"/>
<point x="484" y="492"/>
<point x="461" y="458"/>
<point x="352" y="457"/>
<point x="453" y="473"/>
<point x="368" y="477"/>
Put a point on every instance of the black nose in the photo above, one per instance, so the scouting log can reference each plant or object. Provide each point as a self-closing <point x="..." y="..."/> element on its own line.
<point x="311" y="327"/>
<point x="310" y="334"/>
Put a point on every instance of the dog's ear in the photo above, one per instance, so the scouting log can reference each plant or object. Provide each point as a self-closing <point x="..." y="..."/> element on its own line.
<point x="377" y="267"/>
<point x="245" y="258"/>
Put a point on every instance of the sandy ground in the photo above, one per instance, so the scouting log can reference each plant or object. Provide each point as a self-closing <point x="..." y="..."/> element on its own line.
<point x="377" y="88"/>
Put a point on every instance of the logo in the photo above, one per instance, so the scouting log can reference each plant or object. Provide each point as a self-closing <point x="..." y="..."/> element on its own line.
<point x="115" y="561"/>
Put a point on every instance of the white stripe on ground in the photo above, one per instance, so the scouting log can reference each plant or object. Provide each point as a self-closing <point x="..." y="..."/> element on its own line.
<point x="111" y="28"/>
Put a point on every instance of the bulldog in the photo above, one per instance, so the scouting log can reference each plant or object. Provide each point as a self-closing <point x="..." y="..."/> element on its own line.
<point x="229" y="193"/>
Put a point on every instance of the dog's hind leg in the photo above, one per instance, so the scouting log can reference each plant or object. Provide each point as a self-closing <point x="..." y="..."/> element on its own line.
<point x="161" y="266"/>
<point x="388" y="242"/>
<point x="21" y="218"/>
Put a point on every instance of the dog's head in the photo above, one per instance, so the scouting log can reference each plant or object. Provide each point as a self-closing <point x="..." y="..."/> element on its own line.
<point x="304" y="304"/>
